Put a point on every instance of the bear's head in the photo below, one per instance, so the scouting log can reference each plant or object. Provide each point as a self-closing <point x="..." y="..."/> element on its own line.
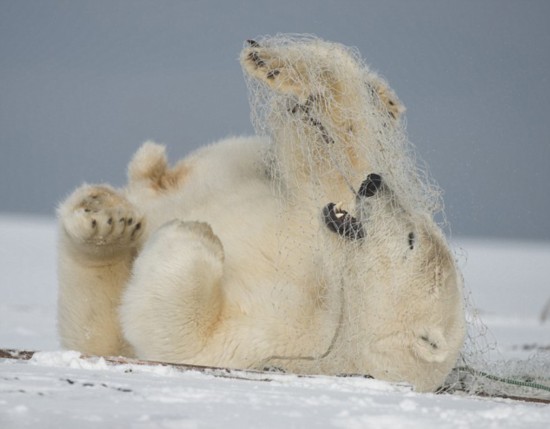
<point x="401" y="283"/>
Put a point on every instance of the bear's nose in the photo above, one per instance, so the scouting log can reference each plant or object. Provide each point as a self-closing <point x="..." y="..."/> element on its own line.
<point x="370" y="186"/>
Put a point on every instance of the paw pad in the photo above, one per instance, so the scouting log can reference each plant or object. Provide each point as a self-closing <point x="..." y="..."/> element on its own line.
<point x="89" y="216"/>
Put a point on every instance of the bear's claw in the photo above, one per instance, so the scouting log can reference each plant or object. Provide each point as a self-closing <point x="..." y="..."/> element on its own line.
<point x="255" y="58"/>
<point x="99" y="216"/>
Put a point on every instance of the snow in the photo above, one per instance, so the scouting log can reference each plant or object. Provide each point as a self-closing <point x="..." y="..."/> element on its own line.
<point x="508" y="282"/>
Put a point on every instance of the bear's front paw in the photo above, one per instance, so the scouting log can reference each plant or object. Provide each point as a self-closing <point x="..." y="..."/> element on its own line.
<point x="278" y="68"/>
<point x="98" y="216"/>
<point x="261" y="62"/>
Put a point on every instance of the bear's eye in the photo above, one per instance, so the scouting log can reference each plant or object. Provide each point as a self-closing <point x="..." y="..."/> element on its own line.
<point x="411" y="239"/>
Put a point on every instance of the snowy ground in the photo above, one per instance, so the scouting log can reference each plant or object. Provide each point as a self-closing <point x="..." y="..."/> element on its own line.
<point x="509" y="282"/>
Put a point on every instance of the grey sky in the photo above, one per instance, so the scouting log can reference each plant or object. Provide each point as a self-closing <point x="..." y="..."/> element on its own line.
<point x="84" y="83"/>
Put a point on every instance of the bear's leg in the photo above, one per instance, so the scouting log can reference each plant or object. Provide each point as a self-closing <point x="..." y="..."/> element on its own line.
<point x="327" y="108"/>
<point x="100" y="232"/>
<point x="316" y="117"/>
<point x="173" y="302"/>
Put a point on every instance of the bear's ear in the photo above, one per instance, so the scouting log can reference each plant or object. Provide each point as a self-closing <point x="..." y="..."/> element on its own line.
<point x="431" y="346"/>
<point x="370" y="186"/>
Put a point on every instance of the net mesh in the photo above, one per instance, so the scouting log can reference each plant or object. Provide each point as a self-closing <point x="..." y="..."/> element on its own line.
<point x="482" y="368"/>
<point x="305" y="79"/>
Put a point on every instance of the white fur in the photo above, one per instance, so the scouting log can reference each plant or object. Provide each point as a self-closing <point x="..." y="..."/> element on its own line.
<point x="232" y="266"/>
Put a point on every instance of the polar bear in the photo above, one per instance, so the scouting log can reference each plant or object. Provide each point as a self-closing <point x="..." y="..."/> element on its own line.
<point x="242" y="255"/>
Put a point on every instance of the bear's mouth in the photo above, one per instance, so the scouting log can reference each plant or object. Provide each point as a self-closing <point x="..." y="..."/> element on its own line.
<point x="341" y="222"/>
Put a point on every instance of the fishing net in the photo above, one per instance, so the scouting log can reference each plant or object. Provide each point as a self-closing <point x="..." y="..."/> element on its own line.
<point x="482" y="369"/>
<point x="368" y="121"/>
<point x="297" y="82"/>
